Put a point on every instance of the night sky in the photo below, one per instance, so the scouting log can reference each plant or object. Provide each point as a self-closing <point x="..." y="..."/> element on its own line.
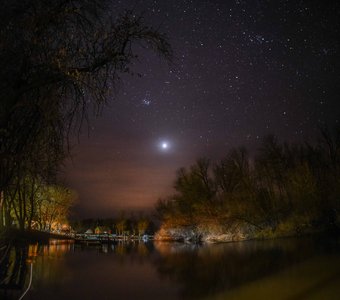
<point x="242" y="70"/>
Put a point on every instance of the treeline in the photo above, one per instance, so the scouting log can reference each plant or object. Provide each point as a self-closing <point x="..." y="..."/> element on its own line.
<point x="31" y="203"/>
<point x="59" y="63"/>
<point x="123" y="225"/>
<point x="285" y="188"/>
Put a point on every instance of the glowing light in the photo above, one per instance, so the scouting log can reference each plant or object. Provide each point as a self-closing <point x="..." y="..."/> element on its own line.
<point x="146" y="102"/>
<point x="164" y="145"/>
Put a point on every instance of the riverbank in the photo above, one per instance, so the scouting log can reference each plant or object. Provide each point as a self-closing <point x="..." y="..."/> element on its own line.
<point x="215" y="232"/>
<point x="28" y="236"/>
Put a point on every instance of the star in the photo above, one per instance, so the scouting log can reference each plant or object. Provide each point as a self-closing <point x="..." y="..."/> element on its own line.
<point x="146" y="102"/>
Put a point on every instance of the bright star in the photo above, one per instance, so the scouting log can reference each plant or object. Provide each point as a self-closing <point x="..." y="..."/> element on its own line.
<point x="164" y="145"/>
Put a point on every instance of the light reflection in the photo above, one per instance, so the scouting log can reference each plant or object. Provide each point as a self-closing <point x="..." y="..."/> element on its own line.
<point x="184" y="271"/>
<point x="33" y="251"/>
<point x="57" y="248"/>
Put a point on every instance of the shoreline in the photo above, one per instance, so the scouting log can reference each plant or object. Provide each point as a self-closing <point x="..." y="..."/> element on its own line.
<point x="196" y="234"/>
<point x="178" y="234"/>
<point x="17" y="236"/>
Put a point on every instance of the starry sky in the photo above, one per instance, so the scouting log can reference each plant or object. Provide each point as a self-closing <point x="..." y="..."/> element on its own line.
<point x="241" y="70"/>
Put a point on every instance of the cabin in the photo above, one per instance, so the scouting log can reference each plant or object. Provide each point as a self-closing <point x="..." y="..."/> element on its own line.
<point x="102" y="230"/>
<point x="89" y="231"/>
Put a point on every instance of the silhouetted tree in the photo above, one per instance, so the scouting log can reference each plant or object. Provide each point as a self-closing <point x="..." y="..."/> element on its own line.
<point x="59" y="60"/>
<point x="286" y="186"/>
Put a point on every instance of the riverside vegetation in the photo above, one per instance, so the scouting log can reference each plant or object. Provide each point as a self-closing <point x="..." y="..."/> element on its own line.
<point x="285" y="190"/>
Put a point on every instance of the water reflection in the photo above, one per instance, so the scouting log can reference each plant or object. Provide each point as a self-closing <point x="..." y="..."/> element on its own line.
<point x="173" y="271"/>
<point x="206" y="271"/>
<point x="12" y="271"/>
<point x="215" y="270"/>
<point x="16" y="261"/>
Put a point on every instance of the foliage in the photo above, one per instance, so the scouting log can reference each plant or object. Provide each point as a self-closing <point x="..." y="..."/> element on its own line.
<point x="142" y="225"/>
<point x="53" y="206"/>
<point x="284" y="189"/>
<point x="33" y="204"/>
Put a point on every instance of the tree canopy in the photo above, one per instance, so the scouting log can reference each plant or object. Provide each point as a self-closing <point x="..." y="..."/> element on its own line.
<point x="59" y="60"/>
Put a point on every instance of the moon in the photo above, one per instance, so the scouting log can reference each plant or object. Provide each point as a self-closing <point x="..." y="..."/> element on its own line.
<point x="165" y="145"/>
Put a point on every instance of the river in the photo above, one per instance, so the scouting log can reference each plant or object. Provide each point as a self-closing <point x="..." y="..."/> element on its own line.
<point x="294" y="268"/>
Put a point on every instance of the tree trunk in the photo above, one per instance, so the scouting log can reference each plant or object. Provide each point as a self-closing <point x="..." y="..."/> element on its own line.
<point x="7" y="215"/>
<point x="22" y="224"/>
<point x="1" y="210"/>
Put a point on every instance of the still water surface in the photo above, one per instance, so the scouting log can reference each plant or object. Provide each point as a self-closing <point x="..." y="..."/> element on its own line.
<point x="305" y="268"/>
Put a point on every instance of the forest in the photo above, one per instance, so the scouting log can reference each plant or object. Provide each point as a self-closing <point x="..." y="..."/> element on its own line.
<point x="284" y="189"/>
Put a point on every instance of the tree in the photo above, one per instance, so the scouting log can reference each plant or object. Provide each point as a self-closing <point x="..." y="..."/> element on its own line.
<point x="53" y="207"/>
<point x="142" y="225"/>
<point x="59" y="60"/>
<point x="286" y="187"/>
<point x="121" y="224"/>
<point x="194" y="187"/>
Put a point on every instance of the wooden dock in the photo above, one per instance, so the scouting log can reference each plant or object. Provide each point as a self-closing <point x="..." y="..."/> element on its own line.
<point x="98" y="239"/>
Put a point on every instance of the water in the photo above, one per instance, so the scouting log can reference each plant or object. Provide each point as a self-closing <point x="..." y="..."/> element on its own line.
<point x="305" y="268"/>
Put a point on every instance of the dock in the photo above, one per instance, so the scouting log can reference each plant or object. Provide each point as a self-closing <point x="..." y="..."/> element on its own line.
<point x="99" y="239"/>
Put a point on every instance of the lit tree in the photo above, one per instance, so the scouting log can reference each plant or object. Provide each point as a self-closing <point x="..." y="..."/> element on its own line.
<point x="53" y="207"/>
<point x="142" y="226"/>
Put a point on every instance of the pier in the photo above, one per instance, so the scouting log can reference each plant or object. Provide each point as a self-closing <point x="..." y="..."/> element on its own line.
<point x="98" y="239"/>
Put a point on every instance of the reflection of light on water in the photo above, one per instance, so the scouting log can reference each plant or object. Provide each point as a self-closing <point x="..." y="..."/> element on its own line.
<point x="246" y="270"/>
<point x="121" y="249"/>
<point x="57" y="248"/>
<point x="142" y="249"/>
<point x="167" y="248"/>
<point x="33" y="251"/>
<point x="105" y="248"/>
